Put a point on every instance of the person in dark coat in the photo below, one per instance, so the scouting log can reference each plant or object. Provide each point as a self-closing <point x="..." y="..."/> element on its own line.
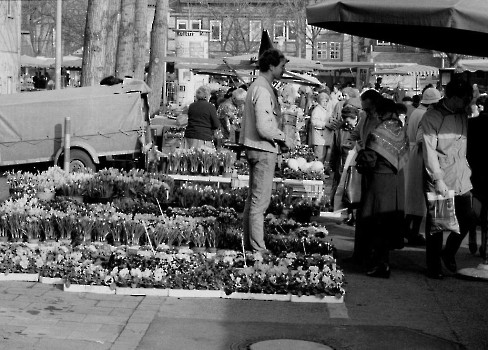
<point x="476" y="148"/>
<point x="341" y="145"/>
<point x="382" y="162"/>
<point x="202" y="121"/>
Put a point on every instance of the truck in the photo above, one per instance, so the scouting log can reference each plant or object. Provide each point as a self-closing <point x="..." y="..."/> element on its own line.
<point x="107" y="122"/>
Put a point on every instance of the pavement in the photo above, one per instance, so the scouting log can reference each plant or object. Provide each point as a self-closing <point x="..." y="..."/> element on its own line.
<point x="407" y="311"/>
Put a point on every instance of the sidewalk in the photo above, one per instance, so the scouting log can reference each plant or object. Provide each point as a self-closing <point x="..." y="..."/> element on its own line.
<point x="408" y="311"/>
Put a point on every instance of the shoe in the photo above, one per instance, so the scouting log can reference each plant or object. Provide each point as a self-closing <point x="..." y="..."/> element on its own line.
<point x="435" y="275"/>
<point x="417" y="240"/>
<point x="349" y="222"/>
<point x="381" y="271"/>
<point x="473" y="247"/>
<point x="449" y="262"/>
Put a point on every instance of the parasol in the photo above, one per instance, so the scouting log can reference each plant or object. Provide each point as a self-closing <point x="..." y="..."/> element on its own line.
<point x="454" y="26"/>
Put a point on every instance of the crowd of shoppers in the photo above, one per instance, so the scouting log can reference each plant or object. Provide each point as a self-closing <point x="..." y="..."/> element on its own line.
<point x="406" y="148"/>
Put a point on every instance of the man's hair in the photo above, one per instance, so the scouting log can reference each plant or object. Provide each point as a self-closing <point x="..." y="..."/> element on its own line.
<point x="371" y="95"/>
<point x="458" y="87"/>
<point x="401" y="108"/>
<point x="270" y="57"/>
<point x="202" y="93"/>
<point x="384" y="106"/>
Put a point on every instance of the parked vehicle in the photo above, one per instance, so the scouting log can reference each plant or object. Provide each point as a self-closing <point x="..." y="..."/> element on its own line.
<point x="106" y="122"/>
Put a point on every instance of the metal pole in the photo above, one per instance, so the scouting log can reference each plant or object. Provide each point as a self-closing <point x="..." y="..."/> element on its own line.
<point x="58" y="45"/>
<point x="67" y="143"/>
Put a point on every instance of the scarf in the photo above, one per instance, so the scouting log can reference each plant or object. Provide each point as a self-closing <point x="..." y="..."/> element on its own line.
<point x="390" y="141"/>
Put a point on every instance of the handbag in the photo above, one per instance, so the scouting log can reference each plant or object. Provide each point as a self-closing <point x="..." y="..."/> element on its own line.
<point x="352" y="186"/>
<point x="444" y="214"/>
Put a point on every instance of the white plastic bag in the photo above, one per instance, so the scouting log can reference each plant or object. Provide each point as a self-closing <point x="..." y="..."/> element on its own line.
<point x="444" y="216"/>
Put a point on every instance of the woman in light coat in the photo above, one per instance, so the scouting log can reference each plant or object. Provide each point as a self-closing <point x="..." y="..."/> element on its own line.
<point x="321" y="127"/>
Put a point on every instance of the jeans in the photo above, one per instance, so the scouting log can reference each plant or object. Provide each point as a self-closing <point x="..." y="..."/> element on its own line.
<point x="261" y="172"/>
<point x="433" y="249"/>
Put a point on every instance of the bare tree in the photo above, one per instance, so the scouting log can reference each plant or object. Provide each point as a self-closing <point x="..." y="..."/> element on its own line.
<point x="140" y="39"/>
<point x="39" y="18"/>
<point x="157" y="64"/>
<point x="111" y="41"/>
<point x="94" y="46"/>
<point x="124" y="65"/>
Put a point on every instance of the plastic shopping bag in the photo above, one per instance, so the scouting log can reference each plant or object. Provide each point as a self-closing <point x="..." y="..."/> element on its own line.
<point x="444" y="216"/>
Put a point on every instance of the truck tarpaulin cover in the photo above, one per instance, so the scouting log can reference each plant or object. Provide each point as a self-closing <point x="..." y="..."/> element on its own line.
<point x="32" y="124"/>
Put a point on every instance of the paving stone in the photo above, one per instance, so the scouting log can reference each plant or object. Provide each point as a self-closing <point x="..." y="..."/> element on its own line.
<point x="5" y="319"/>
<point x="94" y="336"/>
<point x="109" y="297"/>
<point x="24" y="321"/>
<point x="79" y="326"/>
<point x="7" y="296"/>
<point x="93" y="310"/>
<point x="125" y="343"/>
<point x="122" y="320"/>
<point x="71" y="344"/>
<point x="118" y="304"/>
<point x="122" y="312"/>
<point x="12" y="304"/>
<point x="137" y="327"/>
<point x="112" y="328"/>
<point x="45" y="331"/>
<point x="27" y="291"/>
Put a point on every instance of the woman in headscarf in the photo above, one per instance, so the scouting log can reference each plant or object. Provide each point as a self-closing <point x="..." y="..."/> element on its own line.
<point x="382" y="162"/>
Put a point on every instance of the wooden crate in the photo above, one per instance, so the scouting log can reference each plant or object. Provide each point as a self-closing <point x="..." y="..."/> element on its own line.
<point x="243" y="181"/>
<point x="306" y="188"/>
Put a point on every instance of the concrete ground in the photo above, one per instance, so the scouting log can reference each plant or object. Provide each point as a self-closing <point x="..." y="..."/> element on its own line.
<point x="407" y="311"/>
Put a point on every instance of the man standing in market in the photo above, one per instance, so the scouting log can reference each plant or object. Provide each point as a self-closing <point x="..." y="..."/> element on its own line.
<point x="262" y="139"/>
<point x="445" y="130"/>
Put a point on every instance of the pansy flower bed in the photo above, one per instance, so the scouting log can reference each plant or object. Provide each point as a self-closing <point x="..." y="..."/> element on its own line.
<point x="229" y="271"/>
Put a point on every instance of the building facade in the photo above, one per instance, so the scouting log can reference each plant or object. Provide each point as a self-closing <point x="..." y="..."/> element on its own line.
<point x="10" y="46"/>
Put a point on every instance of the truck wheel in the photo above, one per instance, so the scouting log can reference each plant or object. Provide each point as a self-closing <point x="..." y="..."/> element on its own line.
<point x="78" y="160"/>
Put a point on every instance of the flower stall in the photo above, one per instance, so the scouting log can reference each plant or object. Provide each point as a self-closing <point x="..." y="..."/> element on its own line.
<point x="137" y="230"/>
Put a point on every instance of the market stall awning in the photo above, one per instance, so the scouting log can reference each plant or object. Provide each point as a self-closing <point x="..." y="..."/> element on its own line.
<point x="34" y="62"/>
<point x="416" y="69"/>
<point x="455" y="26"/>
<point x="473" y="65"/>
<point x="293" y="64"/>
<point x="346" y="65"/>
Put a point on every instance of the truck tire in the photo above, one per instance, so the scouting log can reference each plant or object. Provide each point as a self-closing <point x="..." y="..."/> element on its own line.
<point x="78" y="160"/>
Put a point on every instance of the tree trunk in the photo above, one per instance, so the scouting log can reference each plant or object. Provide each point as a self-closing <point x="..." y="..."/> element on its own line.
<point x="157" y="65"/>
<point x="113" y="24"/>
<point x="125" y="50"/>
<point x="140" y="40"/>
<point x="94" y="46"/>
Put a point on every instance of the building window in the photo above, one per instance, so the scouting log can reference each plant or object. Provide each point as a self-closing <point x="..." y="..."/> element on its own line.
<point x="255" y="30"/>
<point x="182" y="24"/>
<point x="196" y="24"/>
<point x="215" y="31"/>
<point x="10" y="85"/>
<point x="321" y="50"/>
<point x="383" y="43"/>
<point x="335" y="51"/>
<point x="279" y="29"/>
<point x="291" y="31"/>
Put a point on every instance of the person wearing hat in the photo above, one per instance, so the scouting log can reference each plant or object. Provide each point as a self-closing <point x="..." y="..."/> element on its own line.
<point x="339" y="151"/>
<point x="415" y="206"/>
